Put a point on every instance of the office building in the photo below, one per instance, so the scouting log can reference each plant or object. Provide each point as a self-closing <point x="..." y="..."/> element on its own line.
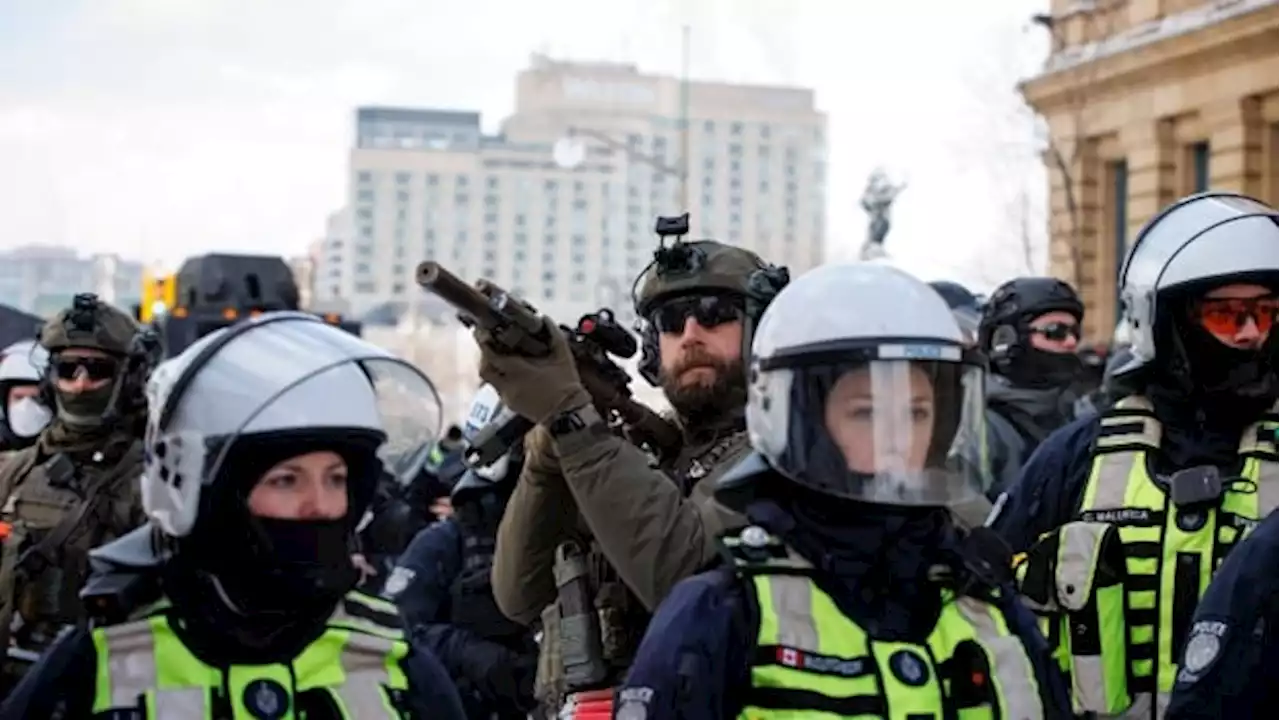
<point x="1148" y="101"/>
<point x="560" y="206"/>
<point x="42" y="279"/>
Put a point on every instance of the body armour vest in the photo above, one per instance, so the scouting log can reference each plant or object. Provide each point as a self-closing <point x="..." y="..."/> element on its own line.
<point x="471" y="603"/>
<point x="810" y="658"/>
<point x="592" y="647"/>
<point x="1118" y="585"/>
<point x="45" y="559"/>
<point x="351" y="672"/>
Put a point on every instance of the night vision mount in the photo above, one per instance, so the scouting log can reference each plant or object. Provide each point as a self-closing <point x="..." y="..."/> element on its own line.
<point x="678" y="257"/>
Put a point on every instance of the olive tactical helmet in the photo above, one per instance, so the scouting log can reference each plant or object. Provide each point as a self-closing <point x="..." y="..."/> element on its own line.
<point x="90" y="323"/>
<point x="696" y="267"/>
<point x="700" y="267"/>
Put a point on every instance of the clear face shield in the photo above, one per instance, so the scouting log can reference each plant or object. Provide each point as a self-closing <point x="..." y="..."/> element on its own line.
<point x="891" y="432"/>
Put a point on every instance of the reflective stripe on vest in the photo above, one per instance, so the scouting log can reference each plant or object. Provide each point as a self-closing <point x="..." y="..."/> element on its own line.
<point x="1169" y="555"/>
<point x="1074" y="578"/>
<point x="143" y="665"/>
<point x="810" y="658"/>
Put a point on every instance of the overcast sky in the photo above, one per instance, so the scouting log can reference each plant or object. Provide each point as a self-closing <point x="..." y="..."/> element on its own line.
<point x="161" y="128"/>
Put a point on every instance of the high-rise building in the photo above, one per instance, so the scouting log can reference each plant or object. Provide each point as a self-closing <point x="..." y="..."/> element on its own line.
<point x="560" y="206"/>
<point x="1147" y="102"/>
<point x="42" y="279"/>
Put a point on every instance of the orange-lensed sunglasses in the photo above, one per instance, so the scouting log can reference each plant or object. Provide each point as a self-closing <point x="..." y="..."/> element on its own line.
<point x="1228" y="316"/>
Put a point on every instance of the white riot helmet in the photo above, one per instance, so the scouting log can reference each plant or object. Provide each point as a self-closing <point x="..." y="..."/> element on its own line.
<point x="487" y="410"/>
<point x="861" y="387"/>
<point x="22" y="363"/>
<point x="1196" y="243"/>
<point x="281" y="375"/>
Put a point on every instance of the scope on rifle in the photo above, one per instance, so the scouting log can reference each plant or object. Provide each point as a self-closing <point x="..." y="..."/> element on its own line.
<point x="603" y="329"/>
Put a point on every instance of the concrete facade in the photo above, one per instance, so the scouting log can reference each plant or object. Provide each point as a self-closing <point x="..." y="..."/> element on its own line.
<point x="1147" y="101"/>
<point x="571" y="233"/>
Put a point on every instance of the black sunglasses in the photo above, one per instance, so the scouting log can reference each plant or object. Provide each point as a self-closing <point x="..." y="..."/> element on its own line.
<point x="95" y="368"/>
<point x="708" y="311"/>
<point x="1057" y="331"/>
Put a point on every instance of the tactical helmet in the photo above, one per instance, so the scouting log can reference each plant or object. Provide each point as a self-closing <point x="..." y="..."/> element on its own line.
<point x="1020" y="301"/>
<point x="690" y="268"/>
<point x="90" y="323"/>
<point x="701" y="267"/>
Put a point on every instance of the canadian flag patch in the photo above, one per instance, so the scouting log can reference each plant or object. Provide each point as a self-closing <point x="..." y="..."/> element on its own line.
<point x="790" y="657"/>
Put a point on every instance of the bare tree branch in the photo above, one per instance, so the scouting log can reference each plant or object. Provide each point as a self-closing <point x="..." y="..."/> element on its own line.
<point x="1100" y="21"/>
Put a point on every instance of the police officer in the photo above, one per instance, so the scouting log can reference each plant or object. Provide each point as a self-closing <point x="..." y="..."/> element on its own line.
<point x="76" y="487"/>
<point x="1229" y="659"/>
<point x="22" y="414"/>
<point x="441" y="585"/>
<point x="851" y="593"/>
<point x="643" y="528"/>
<point x="1029" y="331"/>
<point x="256" y="474"/>
<point x="1151" y="495"/>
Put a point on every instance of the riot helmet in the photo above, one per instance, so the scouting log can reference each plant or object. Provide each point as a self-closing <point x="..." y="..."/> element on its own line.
<point x="1030" y="329"/>
<point x="882" y="406"/>
<point x="98" y="365"/>
<point x="269" y="395"/>
<point x="713" y="284"/>
<point x="23" y="414"/>
<point x="1180" y="305"/>
<point x="964" y="305"/>
<point x="487" y="409"/>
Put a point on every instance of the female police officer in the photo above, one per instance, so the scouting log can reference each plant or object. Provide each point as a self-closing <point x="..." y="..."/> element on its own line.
<point x="264" y="442"/>
<point x="852" y="594"/>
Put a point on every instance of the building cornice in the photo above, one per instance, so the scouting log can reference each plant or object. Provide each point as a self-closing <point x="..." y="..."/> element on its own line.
<point x="1123" y="60"/>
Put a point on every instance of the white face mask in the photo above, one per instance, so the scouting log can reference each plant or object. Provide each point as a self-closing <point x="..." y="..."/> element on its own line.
<point x="27" y="417"/>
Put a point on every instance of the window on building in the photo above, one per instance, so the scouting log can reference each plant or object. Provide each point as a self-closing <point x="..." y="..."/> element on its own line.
<point x="433" y="179"/>
<point x="364" y="177"/>
<point x="402" y="178"/>
<point x="365" y="196"/>
<point x="1116" y="217"/>
<point x="1198" y="166"/>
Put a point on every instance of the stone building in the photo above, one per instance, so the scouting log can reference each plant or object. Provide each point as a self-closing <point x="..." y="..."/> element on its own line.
<point x="1147" y="101"/>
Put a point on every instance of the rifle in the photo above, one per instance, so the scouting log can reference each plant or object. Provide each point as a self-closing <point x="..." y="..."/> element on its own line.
<point x="516" y="326"/>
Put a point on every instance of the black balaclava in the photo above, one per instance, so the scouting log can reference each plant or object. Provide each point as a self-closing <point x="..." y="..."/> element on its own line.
<point x="1206" y="392"/>
<point x="249" y="588"/>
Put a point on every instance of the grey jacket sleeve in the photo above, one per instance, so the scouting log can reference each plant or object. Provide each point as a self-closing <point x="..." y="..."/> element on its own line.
<point x="651" y="534"/>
